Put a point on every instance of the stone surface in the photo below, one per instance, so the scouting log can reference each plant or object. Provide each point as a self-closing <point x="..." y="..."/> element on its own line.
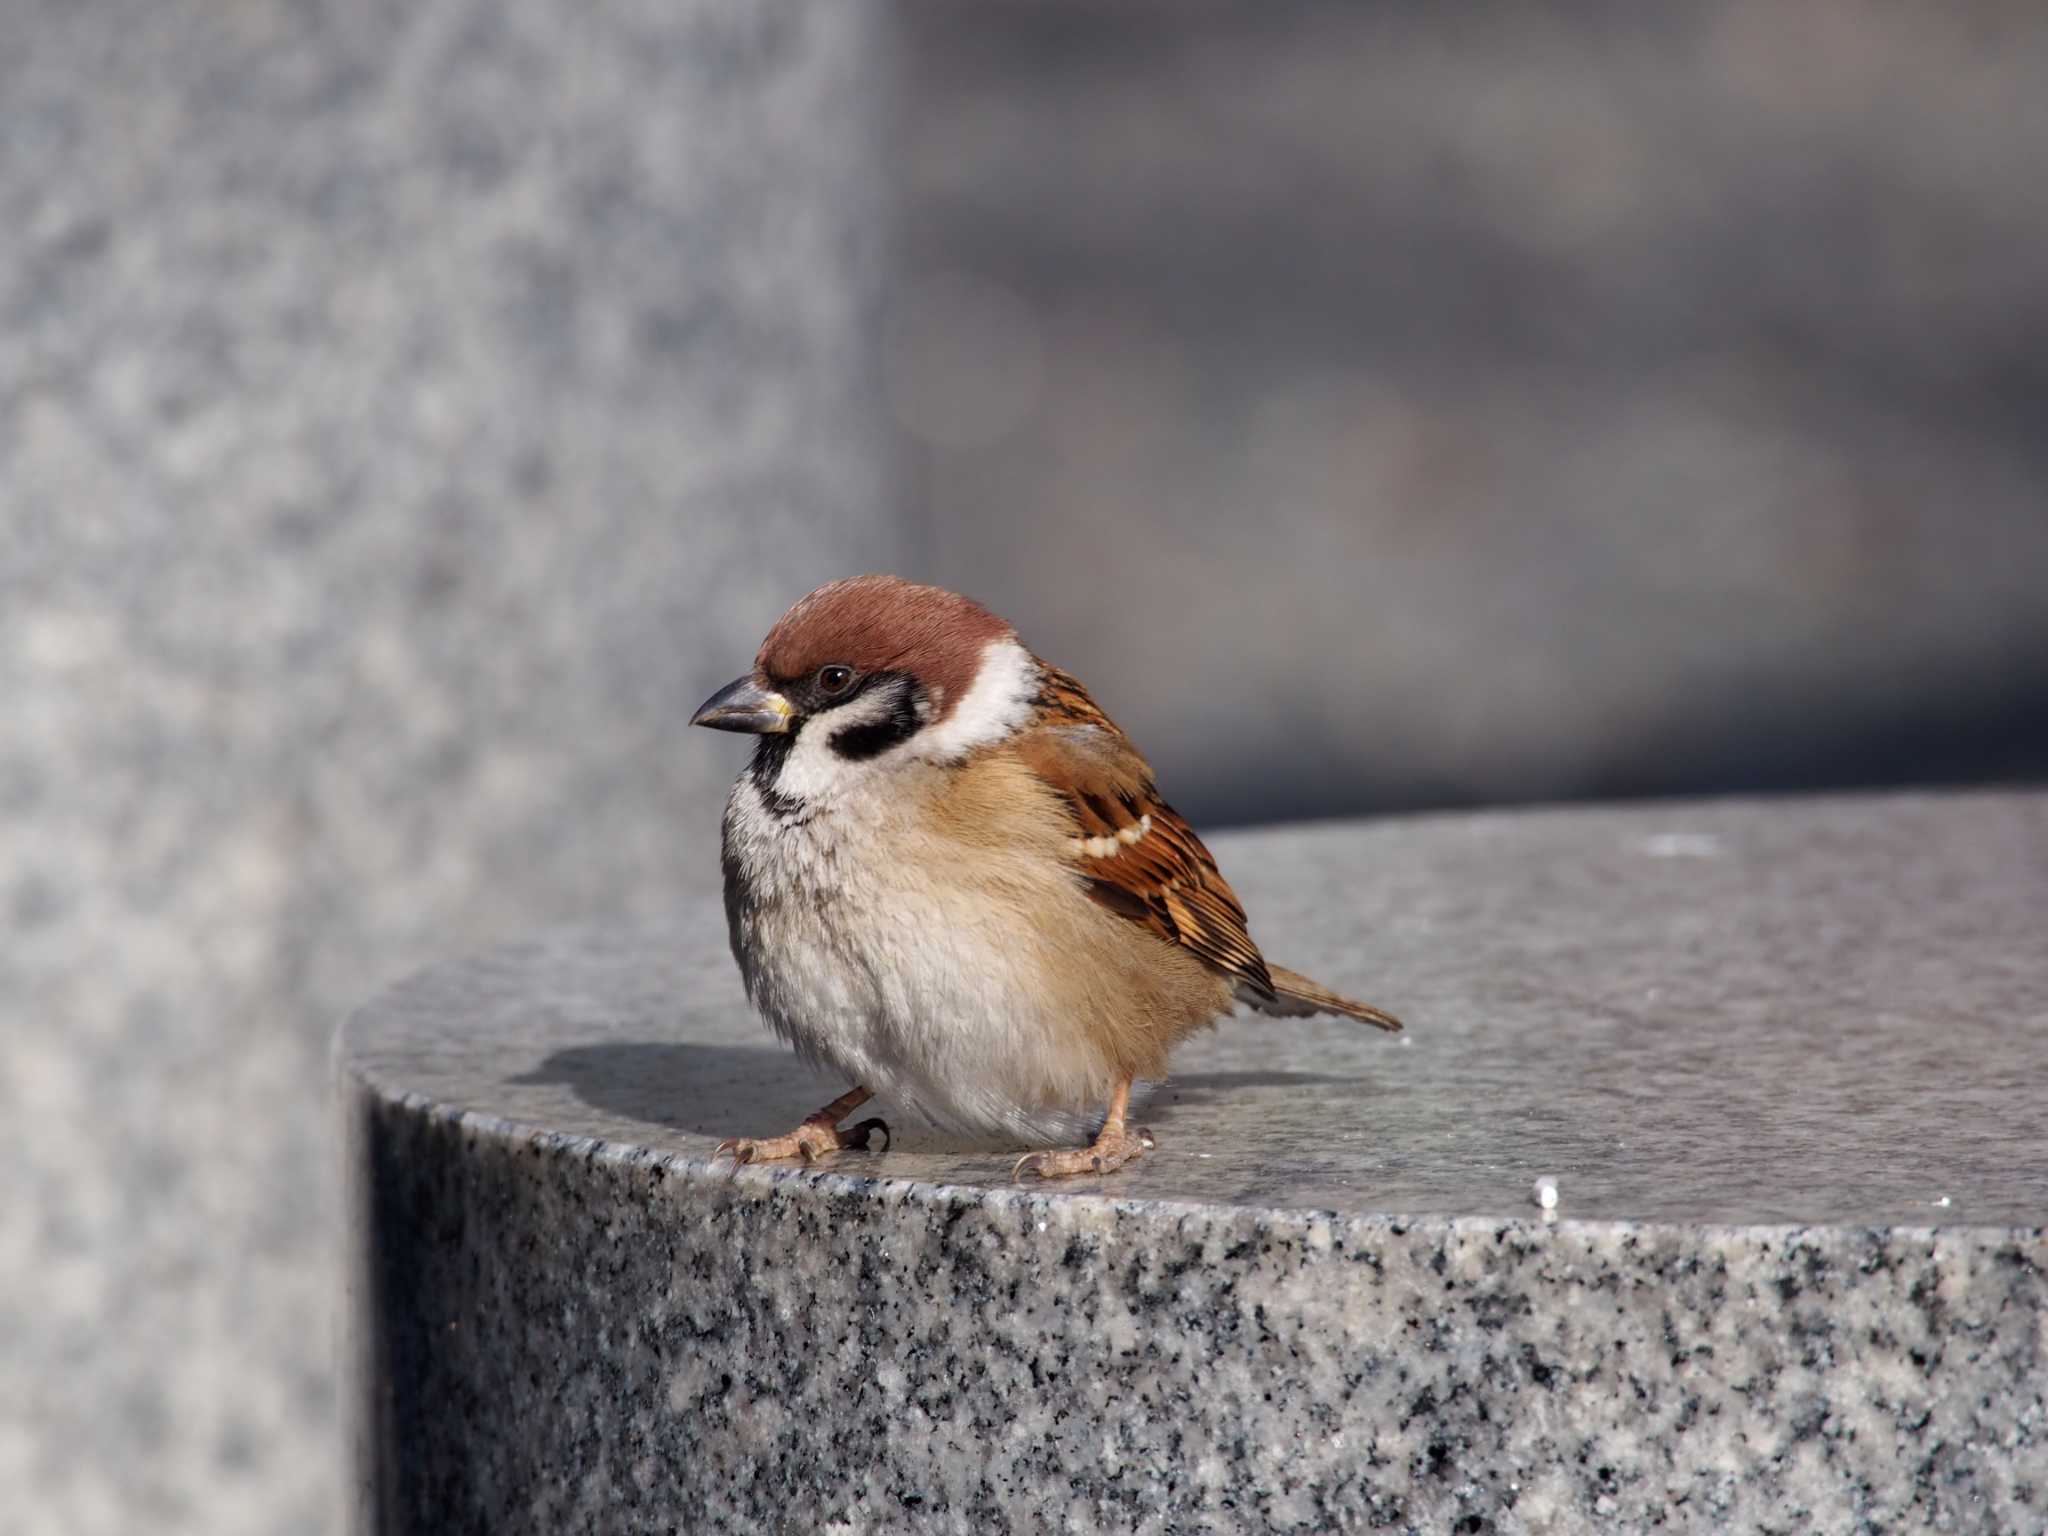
<point x="408" y="413"/>
<point x="1781" y="1060"/>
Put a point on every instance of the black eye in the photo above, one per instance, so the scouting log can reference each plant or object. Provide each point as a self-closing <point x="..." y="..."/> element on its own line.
<point x="835" y="679"/>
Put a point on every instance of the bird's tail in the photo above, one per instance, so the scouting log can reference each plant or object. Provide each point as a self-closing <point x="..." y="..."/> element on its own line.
<point x="1295" y="996"/>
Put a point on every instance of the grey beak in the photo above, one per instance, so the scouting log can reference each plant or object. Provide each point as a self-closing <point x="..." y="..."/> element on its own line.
<point x="745" y="705"/>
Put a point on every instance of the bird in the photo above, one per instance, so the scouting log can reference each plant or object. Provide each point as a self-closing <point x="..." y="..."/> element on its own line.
<point x="951" y="880"/>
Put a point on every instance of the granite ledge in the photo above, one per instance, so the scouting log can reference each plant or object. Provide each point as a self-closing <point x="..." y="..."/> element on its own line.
<point x="567" y="1317"/>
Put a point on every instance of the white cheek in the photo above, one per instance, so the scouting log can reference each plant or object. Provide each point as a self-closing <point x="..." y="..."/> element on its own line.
<point x="813" y="771"/>
<point x="999" y="701"/>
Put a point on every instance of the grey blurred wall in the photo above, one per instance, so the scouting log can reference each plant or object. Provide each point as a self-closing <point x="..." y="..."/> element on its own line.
<point x="408" y="413"/>
<point x="1385" y="405"/>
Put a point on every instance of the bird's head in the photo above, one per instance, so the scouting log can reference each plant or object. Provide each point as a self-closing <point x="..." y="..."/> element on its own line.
<point x="874" y="671"/>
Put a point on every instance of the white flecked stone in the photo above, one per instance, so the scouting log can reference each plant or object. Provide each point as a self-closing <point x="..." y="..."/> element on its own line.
<point x="1341" y="1317"/>
<point x="408" y="413"/>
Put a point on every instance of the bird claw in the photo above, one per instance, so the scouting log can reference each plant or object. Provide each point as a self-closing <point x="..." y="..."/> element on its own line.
<point x="809" y="1142"/>
<point x="855" y="1137"/>
<point x="1108" y="1153"/>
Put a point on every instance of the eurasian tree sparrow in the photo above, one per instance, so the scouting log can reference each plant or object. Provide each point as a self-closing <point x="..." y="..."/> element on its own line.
<point x="950" y="879"/>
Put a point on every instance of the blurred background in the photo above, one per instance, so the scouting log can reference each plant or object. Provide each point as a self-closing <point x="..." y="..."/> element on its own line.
<point x="409" y="412"/>
<point x="1385" y="408"/>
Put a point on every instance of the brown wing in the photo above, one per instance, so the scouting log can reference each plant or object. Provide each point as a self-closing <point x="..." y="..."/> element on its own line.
<point x="1138" y="857"/>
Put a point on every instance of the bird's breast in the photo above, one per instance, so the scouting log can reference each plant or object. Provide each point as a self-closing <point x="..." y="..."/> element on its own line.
<point x="968" y="983"/>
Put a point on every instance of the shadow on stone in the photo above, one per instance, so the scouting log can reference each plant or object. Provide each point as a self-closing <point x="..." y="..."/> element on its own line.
<point x="707" y="1090"/>
<point x="727" y="1090"/>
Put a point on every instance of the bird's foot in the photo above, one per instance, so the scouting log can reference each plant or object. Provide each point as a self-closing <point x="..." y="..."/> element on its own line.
<point x="1112" y="1149"/>
<point x="817" y="1137"/>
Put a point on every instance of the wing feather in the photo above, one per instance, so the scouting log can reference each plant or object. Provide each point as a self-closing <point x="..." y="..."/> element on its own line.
<point x="1137" y="855"/>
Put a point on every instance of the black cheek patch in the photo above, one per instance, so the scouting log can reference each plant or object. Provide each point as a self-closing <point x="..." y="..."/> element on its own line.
<point x="770" y="753"/>
<point x="858" y="743"/>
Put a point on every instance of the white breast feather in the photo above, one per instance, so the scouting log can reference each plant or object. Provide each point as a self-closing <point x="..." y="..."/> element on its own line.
<point x="885" y="971"/>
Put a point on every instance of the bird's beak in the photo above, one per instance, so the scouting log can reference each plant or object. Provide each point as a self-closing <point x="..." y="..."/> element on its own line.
<point x="746" y="705"/>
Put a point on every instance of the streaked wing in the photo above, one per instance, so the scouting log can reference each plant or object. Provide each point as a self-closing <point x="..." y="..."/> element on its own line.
<point x="1138" y="856"/>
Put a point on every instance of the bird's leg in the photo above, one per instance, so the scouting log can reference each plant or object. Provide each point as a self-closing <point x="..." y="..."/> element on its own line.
<point x="818" y="1135"/>
<point x="1115" y="1145"/>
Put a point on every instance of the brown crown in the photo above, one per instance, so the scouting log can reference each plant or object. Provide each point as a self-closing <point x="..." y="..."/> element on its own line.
<point x="884" y="624"/>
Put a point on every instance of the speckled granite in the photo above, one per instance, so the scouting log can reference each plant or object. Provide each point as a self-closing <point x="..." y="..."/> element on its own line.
<point x="409" y="410"/>
<point x="1754" y="1044"/>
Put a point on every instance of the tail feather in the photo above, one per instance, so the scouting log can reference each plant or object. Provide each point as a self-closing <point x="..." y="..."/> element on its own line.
<point x="1295" y="996"/>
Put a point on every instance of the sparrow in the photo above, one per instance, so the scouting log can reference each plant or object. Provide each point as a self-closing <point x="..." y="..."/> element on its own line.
<point x="951" y="880"/>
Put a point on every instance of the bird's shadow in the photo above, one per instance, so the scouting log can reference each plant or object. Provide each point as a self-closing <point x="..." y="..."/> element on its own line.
<point x="705" y="1090"/>
<point x="733" y="1090"/>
